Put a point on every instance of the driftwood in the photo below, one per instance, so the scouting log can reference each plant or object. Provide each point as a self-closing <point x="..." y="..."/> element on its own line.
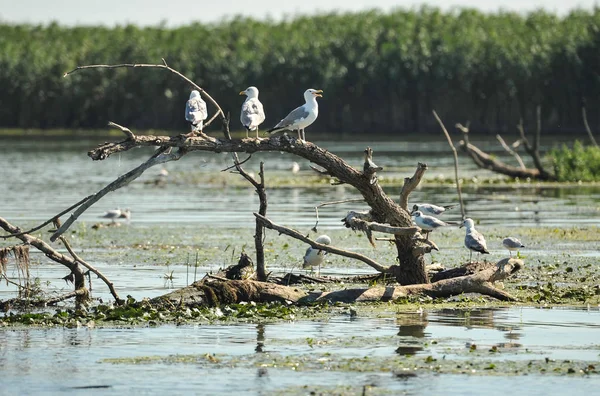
<point x="74" y="263"/>
<point x="214" y="292"/>
<point x="486" y="161"/>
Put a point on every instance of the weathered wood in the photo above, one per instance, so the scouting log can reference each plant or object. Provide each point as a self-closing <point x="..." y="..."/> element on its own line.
<point x="214" y="292"/>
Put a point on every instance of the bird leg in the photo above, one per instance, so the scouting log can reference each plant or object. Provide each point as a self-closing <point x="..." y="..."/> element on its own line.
<point x="470" y="256"/>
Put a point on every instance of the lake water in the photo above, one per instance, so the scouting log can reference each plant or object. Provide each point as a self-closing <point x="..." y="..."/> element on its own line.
<point x="202" y="216"/>
<point x="276" y="358"/>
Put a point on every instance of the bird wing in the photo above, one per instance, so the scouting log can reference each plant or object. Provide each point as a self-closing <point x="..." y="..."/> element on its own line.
<point x="306" y="256"/>
<point x="475" y="241"/>
<point x="195" y="110"/>
<point x="432" y="209"/>
<point x="432" y="222"/>
<point x="295" y="115"/>
<point x="252" y="114"/>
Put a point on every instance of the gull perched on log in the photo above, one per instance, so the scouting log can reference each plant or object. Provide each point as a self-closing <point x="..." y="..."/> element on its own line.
<point x="252" y="114"/>
<point x="301" y="117"/>
<point x="512" y="244"/>
<point x="195" y="111"/>
<point x="315" y="256"/>
<point x="430" y="209"/>
<point x="427" y="223"/>
<point x="474" y="240"/>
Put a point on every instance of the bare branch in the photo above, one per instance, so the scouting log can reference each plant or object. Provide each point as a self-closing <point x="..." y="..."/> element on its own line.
<point x="295" y="234"/>
<point x="47" y="221"/>
<point x="410" y="183"/>
<point x="462" y="204"/>
<point x="332" y="203"/>
<point x="532" y="150"/>
<point x="90" y="267"/>
<point x="126" y="131"/>
<point x="164" y="67"/>
<point x="511" y="151"/>
<point x="587" y="126"/>
<point x="160" y="157"/>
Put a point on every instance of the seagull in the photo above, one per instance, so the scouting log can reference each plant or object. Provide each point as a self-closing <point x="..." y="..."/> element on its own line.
<point x="430" y="209"/>
<point x="302" y="116"/>
<point x="427" y="223"/>
<point x="117" y="214"/>
<point x="195" y="111"/>
<point x="315" y="256"/>
<point x="252" y="114"/>
<point x="474" y="240"/>
<point x="512" y="243"/>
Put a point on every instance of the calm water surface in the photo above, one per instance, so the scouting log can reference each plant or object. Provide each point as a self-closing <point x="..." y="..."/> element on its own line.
<point x="55" y="361"/>
<point x="42" y="179"/>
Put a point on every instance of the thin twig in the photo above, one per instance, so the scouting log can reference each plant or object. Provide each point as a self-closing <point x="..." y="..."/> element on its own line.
<point x="587" y="126"/>
<point x="236" y="164"/>
<point x="126" y="131"/>
<point x="165" y="67"/>
<point x="328" y="248"/>
<point x="332" y="203"/>
<point x="92" y="269"/>
<point x="462" y="205"/>
<point x="511" y="151"/>
<point x="46" y="222"/>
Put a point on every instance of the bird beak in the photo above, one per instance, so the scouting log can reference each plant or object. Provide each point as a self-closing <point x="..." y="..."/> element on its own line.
<point x="461" y="225"/>
<point x="318" y="93"/>
<point x="242" y="92"/>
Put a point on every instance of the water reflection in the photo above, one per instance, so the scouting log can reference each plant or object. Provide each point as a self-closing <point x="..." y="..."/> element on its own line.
<point x="260" y="337"/>
<point x="411" y="330"/>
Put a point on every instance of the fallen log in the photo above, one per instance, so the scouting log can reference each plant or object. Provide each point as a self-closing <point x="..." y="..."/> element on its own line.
<point x="212" y="291"/>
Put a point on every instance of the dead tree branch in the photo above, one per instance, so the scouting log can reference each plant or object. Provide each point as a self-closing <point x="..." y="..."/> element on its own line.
<point x="164" y="66"/>
<point x="90" y="267"/>
<point x="511" y="151"/>
<point x="259" y="186"/>
<point x="332" y="203"/>
<point x="328" y="248"/>
<point x="454" y="153"/>
<point x="587" y="126"/>
<point x="126" y="131"/>
<point x="161" y="156"/>
<point x="410" y="183"/>
<point x="533" y="149"/>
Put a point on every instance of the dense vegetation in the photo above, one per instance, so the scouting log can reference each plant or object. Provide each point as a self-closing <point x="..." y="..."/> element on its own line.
<point x="381" y="72"/>
<point x="576" y="164"/>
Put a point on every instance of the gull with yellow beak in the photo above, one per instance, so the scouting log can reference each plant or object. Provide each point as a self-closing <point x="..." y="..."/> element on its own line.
<point x="252" y="114"/>
<point x="302" y="116"/>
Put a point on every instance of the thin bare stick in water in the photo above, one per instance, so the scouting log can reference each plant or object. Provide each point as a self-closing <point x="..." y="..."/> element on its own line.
<point x="164" y="66"/>
<point x="462" y="205"/>
<point x="587" y="126"/>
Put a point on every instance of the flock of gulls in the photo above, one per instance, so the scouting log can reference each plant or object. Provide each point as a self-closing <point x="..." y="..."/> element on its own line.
<point x="253" y="114"/>
<point x="424" y="218"/>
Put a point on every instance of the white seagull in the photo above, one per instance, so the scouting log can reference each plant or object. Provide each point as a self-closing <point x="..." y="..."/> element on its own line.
<point x="427" y="223"/>
<point x="302" y="116"/>
<point x="474" y="240"/>
<point x="117" y="214"/>
<point x="430" y="209"/>
<point x="314" y="256"/>
<point x="195" y="111"/>
<point x="252" y="114"/>
<point x="512" y="243"/>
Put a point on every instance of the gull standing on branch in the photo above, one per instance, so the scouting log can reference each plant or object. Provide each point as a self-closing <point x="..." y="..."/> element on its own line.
<point x="315" y="256"/>
<point x="427" y="223"/>
<point x="430" y="209"/>
<point x="512" y="243"/>
<point x="252" y="114"/>
<point x="195" y="111"/>
<point x="474" y="240"/>
<point x="302" y="116"/>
